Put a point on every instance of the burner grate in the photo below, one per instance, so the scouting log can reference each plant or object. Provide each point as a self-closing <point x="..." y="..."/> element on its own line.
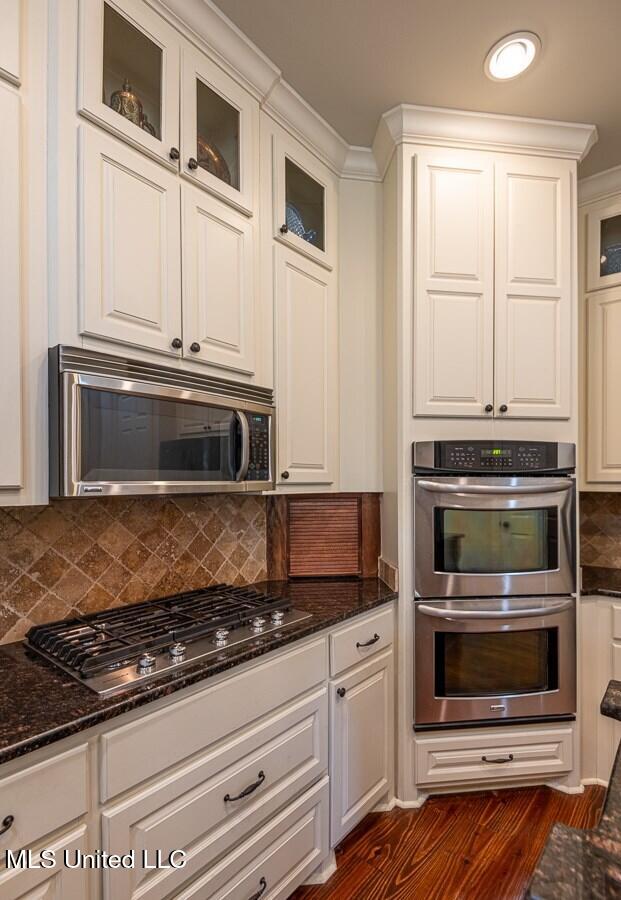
<point x="105" y="640"/>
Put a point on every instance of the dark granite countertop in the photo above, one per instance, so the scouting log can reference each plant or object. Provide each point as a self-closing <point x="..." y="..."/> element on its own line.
<point x="586" y="865"/>
<point x="601" y="580"/>
<point x="40" y="704"/>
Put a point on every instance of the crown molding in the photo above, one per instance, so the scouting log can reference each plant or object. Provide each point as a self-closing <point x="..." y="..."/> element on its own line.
<point x="488" y="131"/>
<point x="360" y="164"/>
<point x="599" y="186"/>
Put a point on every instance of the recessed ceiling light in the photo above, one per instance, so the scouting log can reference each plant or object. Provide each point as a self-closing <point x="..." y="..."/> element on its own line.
<point x="511" y="56"/>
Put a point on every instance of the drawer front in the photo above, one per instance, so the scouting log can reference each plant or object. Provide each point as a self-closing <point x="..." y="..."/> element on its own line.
<point x="188" y="810"/>
<point x="616" y="622"/>
<point x="356" y="642"/>
<point x="448" y="760"/>
<point x="278" y="858"/>
<point x="43" y="798"/>
<point x="151" y="744"/>
<point x="57" y="883"/>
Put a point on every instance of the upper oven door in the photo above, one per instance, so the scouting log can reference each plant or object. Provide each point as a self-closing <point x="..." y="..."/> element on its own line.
<point x="124" y="437"/>
<point x="494" y="536"/>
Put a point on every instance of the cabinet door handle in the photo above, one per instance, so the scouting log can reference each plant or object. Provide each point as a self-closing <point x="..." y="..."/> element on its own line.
<point x="6" y="824"/>
<point x="192" y="163"/>
<point x="284" y="475"/>
<point x="284" y="229"/>
<point x="503" y="408"/>
<point x="176" y="343"/>
<point x="501" y="759"/>
<point x="174" y="153"/>
<point x="489" y="408"/>
<point x="195" y="347"/>
<point x="370" y="642"/>
<point x="261" y="891"/>
<point x="247" y="790"/>
<point x="341" y="691"/>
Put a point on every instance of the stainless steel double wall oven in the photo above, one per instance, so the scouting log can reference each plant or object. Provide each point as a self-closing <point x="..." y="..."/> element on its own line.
<point x="495" y="581"/>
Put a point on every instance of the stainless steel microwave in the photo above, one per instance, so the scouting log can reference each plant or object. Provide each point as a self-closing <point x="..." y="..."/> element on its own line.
<point x="123" y="426"/>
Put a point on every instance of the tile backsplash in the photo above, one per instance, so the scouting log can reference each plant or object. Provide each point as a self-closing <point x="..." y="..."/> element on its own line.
<point x="88" y="555"/>
<point x="600" y="529"/>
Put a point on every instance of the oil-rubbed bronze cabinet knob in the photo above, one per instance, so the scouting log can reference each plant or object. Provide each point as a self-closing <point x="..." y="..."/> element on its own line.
<point x="195" y="347"/>
<point x="192" y="163"/>
<point x="176" y="343"/>
<point x="284" y="229"/>
<point x="489" y="408"/>
<point x="174" y="153"/>
<point x="341" y="691"/>
<point x="284" y="474"/>
<point x="503" y="408"/>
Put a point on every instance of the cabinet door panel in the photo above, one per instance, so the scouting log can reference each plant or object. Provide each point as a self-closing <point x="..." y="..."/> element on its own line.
<point x="361" y="743"/>
<point x="218" y="282"/>
<point x="10" y="291"/>
<point x="10" y="40"/>
<point x="130" y="245"/>
<point x="58" y="883"/>
<point x="306" y="326"/>
<point x="453" y="319"/>
<point x="129" y="74"/>
<point x="603" y="368"/>
<point x="533" y="287"/>
<point x="603" y="269"/>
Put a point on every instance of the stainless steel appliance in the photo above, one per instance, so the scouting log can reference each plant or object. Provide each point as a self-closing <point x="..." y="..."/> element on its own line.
<point x="494" y="519"/>
<point x="122" y="426"/>
<point x="116" y="650"/>
<point x="494" y="659"/>
<point x="495" y="575"/>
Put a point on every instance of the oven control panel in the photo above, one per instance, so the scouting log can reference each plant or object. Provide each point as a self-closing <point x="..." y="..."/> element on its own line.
<point x="494" y="456"/>
<point x="259" y="463"/>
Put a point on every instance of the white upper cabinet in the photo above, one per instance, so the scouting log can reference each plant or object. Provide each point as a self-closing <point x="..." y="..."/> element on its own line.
<point x="306" y="370"/>
<point x="10" y="32"/>
<point x="129" y="74"/>
<point x="218" y="283"/>
<point x="603" y="249"/>
<point x="130" y="288"/>
<point x="603" y="372"/>
<point x="533" y="298"/>
<point x="454" y="310"/>
<point x="304" y="202"/>
<point x="219" y="132"/>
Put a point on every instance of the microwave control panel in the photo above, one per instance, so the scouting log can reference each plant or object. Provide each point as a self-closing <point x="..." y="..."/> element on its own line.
<point x="259" y="463"/>
<point x="521" y="457"/>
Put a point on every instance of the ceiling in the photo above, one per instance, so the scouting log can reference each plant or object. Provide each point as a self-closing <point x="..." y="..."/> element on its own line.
<point x="354" y="59"/>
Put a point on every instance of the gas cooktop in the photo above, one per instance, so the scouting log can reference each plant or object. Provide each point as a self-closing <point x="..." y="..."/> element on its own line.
<point x="119" y="649"/>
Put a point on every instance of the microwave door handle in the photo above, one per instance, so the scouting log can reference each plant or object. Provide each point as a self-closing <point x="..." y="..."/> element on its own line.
<point x="241" y="473"/>
<point x="491" y="614"/>
<point x="546" y="487"/>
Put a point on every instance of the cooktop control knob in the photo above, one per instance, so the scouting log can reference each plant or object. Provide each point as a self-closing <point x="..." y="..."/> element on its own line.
<point x="258" y="623"/>
<point x="221" y="636"/>
<point x="146" y="664"/>
<point x="277" y="616"/>
<point x="177" y="652"/>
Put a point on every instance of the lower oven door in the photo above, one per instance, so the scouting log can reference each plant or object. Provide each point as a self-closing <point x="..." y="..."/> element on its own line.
<point x="491" y="659"/>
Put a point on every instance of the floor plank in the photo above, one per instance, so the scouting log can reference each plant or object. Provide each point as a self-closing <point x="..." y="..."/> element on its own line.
<point x="483" y="845"/>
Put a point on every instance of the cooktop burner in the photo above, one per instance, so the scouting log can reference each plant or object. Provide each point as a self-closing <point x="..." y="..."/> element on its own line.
<point x="118" y="649"/>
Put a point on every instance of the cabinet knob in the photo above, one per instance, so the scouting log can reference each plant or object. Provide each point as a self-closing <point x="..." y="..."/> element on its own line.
<point x="195" y="347"/>
<point x="341" y="691"/>
<point x="192" y="163"/>
<point x="503" y="408"/>
<point x="284" y="474"/>
<point x="174" y="153"/>
<point x="176" y="343"/>
<point x="6" y="823"/>
<point x="489" y="408"/>
<point x="284" y="229"/>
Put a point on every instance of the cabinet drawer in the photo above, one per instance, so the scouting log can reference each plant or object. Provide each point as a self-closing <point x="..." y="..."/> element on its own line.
<point x="347" y="646"/>
<point x="43" y="798"/>
<point x="149" y="745"/>
<point x="444" y="760"/>
<point x="58" y="883"/>
<point x="187" y="810"/>
<point x="280" y="856"/>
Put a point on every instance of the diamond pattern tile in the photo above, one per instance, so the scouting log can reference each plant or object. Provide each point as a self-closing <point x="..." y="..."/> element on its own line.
<point x="600" y="529"/>
<point x="78" y="556"/>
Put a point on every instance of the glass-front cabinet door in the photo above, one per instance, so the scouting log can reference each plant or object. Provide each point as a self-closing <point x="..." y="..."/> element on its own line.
<point x="304" y="202"/>
<point x="604" y="246"/>
<point x="129" y="74"/>
<point x="219" y="132"/>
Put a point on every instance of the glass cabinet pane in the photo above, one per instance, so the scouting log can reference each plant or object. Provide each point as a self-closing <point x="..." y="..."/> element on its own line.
<point x="305" y="205"/>
<point x="132" y="73"/>
<point x="217" y="135"/>
<point x="610" y="246"/>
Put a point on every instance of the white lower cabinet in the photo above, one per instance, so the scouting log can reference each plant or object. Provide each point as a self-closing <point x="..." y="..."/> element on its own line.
<point x="53" y="883"/>
<point x="361" y="742"/>
<point x="306" y="369"/>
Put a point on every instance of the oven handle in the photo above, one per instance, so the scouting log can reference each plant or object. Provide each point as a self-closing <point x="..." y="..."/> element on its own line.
<point x="245" y="454"/>
<point x="491" y="614"/>
<point x="545" y="487"/>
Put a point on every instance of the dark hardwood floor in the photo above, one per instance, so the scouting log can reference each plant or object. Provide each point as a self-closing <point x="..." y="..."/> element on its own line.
<point x="483" y="845"/>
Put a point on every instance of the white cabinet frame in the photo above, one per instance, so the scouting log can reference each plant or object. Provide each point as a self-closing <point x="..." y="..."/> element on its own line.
<point x="597" y="212"/>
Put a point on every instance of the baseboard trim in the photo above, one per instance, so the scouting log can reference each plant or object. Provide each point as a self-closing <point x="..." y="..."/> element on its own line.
<point x="325" y="871"/>
<point x="385" y="806"/>
<point x="411" y="804"/>
<point x="566" y="788"/>
<point x="600" y="782"/>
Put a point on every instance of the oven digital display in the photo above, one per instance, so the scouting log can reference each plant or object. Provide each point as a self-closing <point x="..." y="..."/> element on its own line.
<point x="496" y="451"/>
